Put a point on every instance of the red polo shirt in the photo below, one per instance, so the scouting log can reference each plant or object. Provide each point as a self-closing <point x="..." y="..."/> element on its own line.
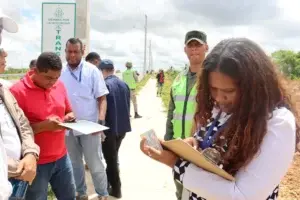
<point x="39" y="104"/>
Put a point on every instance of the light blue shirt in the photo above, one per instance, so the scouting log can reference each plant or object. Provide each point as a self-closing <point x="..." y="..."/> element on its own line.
<point x="83" y="95"/>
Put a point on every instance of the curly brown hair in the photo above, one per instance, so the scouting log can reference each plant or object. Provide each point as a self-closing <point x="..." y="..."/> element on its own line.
<point x="261" y="91"/>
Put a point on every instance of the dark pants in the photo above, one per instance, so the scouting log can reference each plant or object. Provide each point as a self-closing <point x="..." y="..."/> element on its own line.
<point x="60" y="176"/>
<point x="110" y="148"/>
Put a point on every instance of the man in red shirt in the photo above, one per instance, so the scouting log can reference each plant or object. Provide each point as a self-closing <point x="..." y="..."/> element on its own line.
<point x="44" y="101"/>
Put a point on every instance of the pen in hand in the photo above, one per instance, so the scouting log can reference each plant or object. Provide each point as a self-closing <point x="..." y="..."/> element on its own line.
<point x="70" y="117"/>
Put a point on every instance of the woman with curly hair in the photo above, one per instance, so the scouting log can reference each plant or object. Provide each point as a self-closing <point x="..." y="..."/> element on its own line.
<point x="245" y="114"/>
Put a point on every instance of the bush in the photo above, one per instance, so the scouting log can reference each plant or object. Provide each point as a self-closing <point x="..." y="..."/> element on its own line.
<point x="170" y="75"/>
<point x="51" y="195"/>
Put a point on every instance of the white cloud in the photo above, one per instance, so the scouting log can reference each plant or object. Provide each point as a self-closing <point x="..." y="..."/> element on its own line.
<point x="117" y="27"/>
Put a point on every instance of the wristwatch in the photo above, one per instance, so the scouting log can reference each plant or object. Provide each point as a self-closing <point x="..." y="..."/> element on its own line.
<point x="101" y="122"/>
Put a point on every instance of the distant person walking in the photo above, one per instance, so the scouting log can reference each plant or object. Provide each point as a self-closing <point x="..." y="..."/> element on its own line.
<point x="130" y="77"/>
<point x="160" y="77"/>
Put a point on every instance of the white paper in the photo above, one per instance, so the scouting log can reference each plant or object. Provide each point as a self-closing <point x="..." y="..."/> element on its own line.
<point x="84" y="127"/>
<point x="152" y="140"/>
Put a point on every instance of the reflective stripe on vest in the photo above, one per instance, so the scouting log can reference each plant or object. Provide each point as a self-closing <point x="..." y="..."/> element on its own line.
<point x="178" y="116"/>
<point x="182" y="124"/>
<point x="182" y="98"/>
<point x="128" y="78"/>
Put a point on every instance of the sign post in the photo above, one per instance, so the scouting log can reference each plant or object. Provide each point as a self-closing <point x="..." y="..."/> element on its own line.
<point x="58" y="25"/>
<point x="83" y="23"/>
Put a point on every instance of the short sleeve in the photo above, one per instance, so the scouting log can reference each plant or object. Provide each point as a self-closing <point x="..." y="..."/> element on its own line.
<point x="67" y="101"/>
<point x="99" y="86"/>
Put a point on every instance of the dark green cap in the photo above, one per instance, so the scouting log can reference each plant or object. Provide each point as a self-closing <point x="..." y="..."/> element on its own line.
<point x="195" y="35"/>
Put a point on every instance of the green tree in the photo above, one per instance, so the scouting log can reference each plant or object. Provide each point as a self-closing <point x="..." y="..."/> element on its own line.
<point x="288" y="62"/>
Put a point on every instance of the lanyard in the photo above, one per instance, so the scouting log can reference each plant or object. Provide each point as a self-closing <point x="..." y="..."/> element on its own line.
<point x="74" y="76"/>
<point x="210" y="136"/>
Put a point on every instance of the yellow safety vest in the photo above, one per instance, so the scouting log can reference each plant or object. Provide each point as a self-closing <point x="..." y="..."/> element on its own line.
<point x="128" y="78"/>
<point x="185" y="105"/>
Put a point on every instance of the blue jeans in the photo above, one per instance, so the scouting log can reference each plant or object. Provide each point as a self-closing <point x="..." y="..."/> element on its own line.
<point x="19" y="189"/>
<point x="60" y="176"/>
<point x="90" y="147"/>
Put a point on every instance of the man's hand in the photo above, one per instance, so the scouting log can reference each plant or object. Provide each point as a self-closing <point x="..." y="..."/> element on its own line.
<point x="52" y="124"/>
<point x="70" y="117"/>
<point x="101" y="134"/>
<point x="27" y="168"/>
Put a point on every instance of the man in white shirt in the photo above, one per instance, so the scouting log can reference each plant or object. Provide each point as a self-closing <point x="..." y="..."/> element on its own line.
<point x="16" y="135"/>
<point x="5" y="186"/>
<point x="87" y="93"/>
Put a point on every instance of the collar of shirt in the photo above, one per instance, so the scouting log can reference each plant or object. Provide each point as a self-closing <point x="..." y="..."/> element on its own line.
<point x="78" y="68"/>
<point x="110" y="76"/>
<point x="29" y="83"/>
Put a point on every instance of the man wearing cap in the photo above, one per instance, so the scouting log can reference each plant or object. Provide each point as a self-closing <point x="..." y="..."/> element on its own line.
<point x="15" y="134"/>
<point x="183" y="92"/>
<point x="118" y="120"/>
<point x="130" y="77"/>
<point x="10" y="26"/>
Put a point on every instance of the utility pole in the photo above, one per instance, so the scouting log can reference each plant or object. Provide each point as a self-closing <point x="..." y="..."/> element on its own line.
<point x="83" y="23"/>
<point x="150" y="57"/>
<point x="145" y="47"/>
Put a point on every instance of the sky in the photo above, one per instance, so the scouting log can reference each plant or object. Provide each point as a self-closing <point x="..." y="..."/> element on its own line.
<point x="117" y="27"/>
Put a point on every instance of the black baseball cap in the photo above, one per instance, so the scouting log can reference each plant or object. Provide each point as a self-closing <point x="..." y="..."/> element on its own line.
<point x="106" y="64"/>
<point x="195" y="35"/>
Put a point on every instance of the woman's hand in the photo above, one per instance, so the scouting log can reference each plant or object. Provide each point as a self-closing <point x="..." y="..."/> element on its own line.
<point x="166" y="157"/>
<point x="192" y="141"/>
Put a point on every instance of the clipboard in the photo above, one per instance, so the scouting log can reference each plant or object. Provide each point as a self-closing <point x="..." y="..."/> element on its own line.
<point x="187" y="152"/>
<point x="83" y="126"/>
